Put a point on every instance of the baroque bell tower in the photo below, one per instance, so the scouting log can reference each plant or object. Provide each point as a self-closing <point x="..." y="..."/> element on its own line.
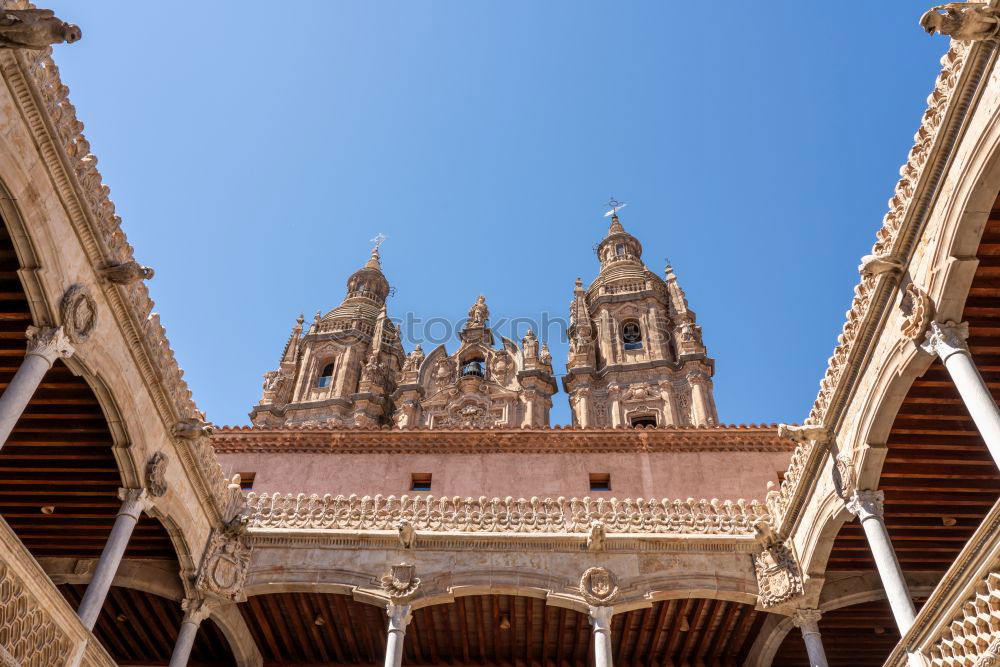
<point x="636" y="356"/>
<point x="342" y="370"/>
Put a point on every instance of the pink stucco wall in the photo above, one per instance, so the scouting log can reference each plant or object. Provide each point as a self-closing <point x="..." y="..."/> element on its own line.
<point x="710" y="474"/>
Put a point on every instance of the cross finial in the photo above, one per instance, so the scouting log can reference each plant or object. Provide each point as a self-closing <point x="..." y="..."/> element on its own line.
<point x="378" y="241"/>
<point x="615" y="206"/>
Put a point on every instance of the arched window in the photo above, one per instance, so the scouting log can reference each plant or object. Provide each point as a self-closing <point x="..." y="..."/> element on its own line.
<point x="326" y="377"/>
<point x="473" y="368"/>
<point x="619" y="249"/>
<point x="632" y="335"/>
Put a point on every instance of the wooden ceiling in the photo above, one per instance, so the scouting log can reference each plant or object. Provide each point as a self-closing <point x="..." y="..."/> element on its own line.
<point x="861" y="635"/>
<point x="939" y="478"/>
<point x="312" y="628"/>
<point x="139" y="628"/>
<point x="59" y="454"/>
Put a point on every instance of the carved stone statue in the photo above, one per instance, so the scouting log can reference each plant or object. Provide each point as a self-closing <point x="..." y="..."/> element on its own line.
<point x="964" y="21"/>
<point x="34" y="29"/>
<point x="414" y="359"/>
<point x="596" y="536"/>
<point x="406" y="533"/>
<point x="478" y="314"/>
<point x="530" y="345"/>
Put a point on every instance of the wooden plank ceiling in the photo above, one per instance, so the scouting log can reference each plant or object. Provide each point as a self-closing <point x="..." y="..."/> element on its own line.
<point x="59" y="454"/>
<point x="313" y="628"/>
<point x="861" y="635"/>
<point x="139" y="628"/>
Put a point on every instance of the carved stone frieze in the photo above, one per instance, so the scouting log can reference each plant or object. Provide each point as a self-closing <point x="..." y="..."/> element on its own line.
<point x="599" y="587"/>
<point x="224" y="565"/>
<point x="156" y="474"/>
<point x="400" y="583"/>
<point x="78" y="312"/>
<point x="561" y="515"/>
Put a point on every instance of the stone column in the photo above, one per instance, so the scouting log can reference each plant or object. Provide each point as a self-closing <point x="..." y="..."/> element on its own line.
<point x="947" y="341"/>
<point x="529" y="407"/>
<point x="45" y="345"/>
<point x="583" y="406"/>
<point x="868" y="507"/>
<point x="666" y="395"/>
<point x="134" y="502"/>
<point x="614" y="393"/>
<point x="600" y="620"/>
<point x="195" y="611"/>
<point x="700" y="407"/>
<point x="399" y="618"/>
<point x="807" y="620"/>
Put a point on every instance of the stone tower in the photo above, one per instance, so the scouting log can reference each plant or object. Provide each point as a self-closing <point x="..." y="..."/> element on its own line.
<point x="479" y="385"/>
<point x="636" y="356"/>
<point x="342" y="370"/>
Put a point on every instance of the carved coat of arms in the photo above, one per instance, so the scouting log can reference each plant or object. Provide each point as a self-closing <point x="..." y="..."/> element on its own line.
<point x="400" y="583"/>
<point x="778" y="576"/>
<point x="224" y="566"/>
<point x="599" y="586"/>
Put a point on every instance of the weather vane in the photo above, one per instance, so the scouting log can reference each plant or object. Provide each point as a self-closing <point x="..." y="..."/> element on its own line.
<point x="378" y="241"/>
<point x="615" y="206"/>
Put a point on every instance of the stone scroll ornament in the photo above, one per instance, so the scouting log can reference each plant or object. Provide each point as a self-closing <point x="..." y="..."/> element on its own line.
<point x="224" y="566"/>
<point x="400" y="583"/>
<point x="778" y="576"/>
<point x="599" y="587"/>
<point x="156" y="474"/>
<point x="78" y="312"/>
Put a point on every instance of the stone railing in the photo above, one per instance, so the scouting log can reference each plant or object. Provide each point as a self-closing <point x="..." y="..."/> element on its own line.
<point x="506" y="515"/>
<point x="37" y="625"/>
<point x="973" y="636"/>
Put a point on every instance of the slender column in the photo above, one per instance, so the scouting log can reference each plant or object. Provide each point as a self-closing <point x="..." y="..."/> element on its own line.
<point x="700" y="409"/>
<point x="45" y="345"/>
<point x="868" y="507"/>
<point x="399" y="618"/>
<point x="134" y="502"/>
<point x="529" y="407"/>
<point x="195" y="611"/>
<point x="583" y="406"/>
<point x="614" y="393"/>
<point x="600" y="619"/>
<point x="666" y="395"/>
<point x="947" y="341"/>
<point x="807" y="620"/>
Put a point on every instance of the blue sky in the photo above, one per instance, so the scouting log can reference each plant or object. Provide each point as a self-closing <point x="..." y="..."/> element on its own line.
<point x="253" y="149"/>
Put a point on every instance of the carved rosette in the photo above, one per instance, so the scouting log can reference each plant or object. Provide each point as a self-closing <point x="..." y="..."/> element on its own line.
<point x="78" y="312"/>
<point x="599" y="587"/>
<point x="224" y="566"/>
<point x="400" y="583"/>
<point x="156" y="474"/>
<point x="778" y="576"/>
<point x="917" y="312"/>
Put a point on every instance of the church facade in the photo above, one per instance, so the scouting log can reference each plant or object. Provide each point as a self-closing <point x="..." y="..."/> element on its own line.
<point x="407" y="506"/>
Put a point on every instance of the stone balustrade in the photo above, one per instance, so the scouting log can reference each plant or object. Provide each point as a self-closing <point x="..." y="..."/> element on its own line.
<point x="503" y="515"/>
<point x="38" y="628"/>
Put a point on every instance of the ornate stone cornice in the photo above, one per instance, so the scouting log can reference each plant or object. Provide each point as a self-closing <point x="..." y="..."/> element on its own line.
<point x="286" y="440"/>
<point x="503" y="515"/>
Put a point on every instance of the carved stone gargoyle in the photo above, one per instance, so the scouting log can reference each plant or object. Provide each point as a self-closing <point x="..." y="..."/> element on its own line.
<point x="126" y="273"/>
<point x="963" y="21"/>
<point x="804" y="433"/>
<point x="34" y="29"/>
<point x="192" y="428"/>
<point x="597" y="536"/>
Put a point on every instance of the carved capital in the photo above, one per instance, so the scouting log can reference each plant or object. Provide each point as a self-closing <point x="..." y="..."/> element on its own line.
<point x="196" y="610"/>
<point x="134" y="502"/>
<point x="805" y="433"/>
<point x="807" y="619"/>
<point x="866" y="504"/>
<point x="399" y="616"/>
<point x="946" y="338"/>
<point x="600" y="618"/>
<point x="50" y="343"/>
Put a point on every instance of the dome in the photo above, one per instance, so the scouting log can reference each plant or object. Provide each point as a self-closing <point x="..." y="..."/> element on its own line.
<point x="367" y="289"/>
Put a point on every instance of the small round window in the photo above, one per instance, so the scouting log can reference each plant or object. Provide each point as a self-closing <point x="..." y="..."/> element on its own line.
<point x="632" y="335"/>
